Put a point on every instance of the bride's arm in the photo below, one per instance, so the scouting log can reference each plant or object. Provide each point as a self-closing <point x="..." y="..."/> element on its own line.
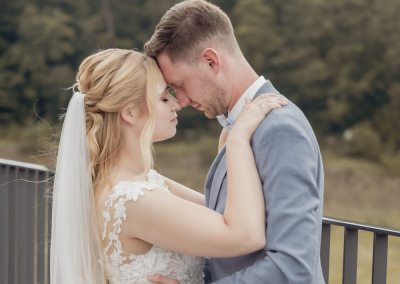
<point x="185" y="192"/>
<point x="168" y="221"/>
<point x="222" y="139"/>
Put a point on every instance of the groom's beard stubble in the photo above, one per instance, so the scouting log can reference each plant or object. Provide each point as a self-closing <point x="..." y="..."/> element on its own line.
<point x="216" y="97"/>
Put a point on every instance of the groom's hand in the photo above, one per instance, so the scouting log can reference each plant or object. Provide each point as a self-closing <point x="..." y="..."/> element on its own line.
<point x="160" y="279"/>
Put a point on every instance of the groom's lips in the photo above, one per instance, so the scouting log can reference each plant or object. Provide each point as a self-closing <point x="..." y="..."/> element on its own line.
<point x="198" y="106"/>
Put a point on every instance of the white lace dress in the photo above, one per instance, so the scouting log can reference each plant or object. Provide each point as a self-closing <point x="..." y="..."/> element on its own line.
<point x="134" y="269"/>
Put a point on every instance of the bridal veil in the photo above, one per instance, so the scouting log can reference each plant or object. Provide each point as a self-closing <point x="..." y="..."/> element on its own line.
<point x="76" y="254"/>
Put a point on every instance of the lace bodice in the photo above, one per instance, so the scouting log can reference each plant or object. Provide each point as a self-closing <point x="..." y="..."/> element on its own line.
<point x="128" y="268"/>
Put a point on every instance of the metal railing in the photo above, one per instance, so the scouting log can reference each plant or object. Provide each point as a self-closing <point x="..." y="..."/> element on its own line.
<point x="25" y="223"/>
<point x="25" y="226"/>
<point x="350" y="249"/>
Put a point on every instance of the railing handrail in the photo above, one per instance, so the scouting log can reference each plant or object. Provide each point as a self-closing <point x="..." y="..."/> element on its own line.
<point x="381" y="230"/>
<point x="25" y="165"/>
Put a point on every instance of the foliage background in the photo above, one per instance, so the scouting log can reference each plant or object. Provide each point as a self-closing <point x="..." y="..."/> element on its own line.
<point x="337" y="60"/>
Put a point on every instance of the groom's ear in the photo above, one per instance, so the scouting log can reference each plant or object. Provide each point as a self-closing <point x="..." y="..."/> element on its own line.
<point x="130" y="114"/>
<point x="211" y="58"/>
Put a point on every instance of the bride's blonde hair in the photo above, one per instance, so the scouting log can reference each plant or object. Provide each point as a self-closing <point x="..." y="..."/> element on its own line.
<point x="111" y="79"/>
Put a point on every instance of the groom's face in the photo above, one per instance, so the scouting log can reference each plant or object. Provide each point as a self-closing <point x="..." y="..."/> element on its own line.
<point x="194" y="85"/>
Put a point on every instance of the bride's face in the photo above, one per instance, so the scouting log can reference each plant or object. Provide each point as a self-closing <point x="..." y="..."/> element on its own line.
<point x="166" y="108"/>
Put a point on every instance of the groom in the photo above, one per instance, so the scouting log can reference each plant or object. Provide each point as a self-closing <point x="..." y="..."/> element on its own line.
<point x="195" y="47"/>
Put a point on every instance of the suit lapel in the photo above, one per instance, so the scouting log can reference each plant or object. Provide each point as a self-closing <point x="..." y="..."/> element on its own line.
<point x="210" y="180"/>
<point x="219" y="175"/>
<point x="218" y="169"/>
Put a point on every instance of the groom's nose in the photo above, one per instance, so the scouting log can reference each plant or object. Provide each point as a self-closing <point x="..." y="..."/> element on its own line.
<point x="183" y="100"/>
<point x="175" y="106"/>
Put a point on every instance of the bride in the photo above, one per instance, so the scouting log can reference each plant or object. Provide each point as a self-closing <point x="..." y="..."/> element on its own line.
<point x="116" y="218"/>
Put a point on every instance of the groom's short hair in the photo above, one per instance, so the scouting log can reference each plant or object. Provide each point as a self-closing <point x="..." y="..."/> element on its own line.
<point x="185" y="29"/>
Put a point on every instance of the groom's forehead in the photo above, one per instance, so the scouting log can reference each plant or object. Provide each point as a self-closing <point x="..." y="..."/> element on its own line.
<point x="172" y="72"/>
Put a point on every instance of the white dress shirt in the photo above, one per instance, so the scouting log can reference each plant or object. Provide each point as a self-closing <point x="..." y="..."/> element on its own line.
<point x="228" y="122"/>
<point x="249" y="93"/>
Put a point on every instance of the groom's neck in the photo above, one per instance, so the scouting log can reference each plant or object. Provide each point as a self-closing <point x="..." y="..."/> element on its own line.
<point x="242" y="77"/>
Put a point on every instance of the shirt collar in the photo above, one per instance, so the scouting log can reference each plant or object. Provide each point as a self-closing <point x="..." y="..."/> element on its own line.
<point x="250" y="92"/>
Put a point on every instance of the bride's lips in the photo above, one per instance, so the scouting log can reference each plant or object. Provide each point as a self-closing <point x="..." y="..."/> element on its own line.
<point x="175" y="119"/>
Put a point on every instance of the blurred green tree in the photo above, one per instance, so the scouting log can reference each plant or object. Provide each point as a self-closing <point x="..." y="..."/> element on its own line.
<point x="338" y="61"/>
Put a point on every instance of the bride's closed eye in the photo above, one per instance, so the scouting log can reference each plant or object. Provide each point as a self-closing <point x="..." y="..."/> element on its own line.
<point x="167" y="97"/>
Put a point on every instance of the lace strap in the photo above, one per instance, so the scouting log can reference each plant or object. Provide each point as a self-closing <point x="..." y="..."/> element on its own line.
<point x="125" y="191"/>
<point x="159" y="179"/>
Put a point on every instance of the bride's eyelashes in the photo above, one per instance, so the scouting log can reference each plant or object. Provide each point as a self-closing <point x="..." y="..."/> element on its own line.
<point x="166" y="99"/>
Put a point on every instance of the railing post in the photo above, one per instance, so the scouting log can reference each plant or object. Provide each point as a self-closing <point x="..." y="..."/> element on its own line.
<point x="4" y="222"/>
<point x="325" y="250"/>
<point x="350" y="256"/>
<point x="379" y="260"/>
<point x="48" y="219"/>
<point x="12" y="227"/>
<point x="43" y="231"/>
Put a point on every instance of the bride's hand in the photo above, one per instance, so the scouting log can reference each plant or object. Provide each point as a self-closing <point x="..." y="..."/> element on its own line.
<point x="253" y="113"/>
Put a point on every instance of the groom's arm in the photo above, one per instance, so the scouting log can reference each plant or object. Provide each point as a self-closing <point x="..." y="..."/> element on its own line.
<point x="287" y="162"/>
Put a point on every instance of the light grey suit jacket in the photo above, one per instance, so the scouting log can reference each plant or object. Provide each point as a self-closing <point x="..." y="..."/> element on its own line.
<point x="290" y="167"/>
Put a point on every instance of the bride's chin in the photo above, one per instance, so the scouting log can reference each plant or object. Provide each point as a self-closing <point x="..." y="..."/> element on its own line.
<point x="163" y="138"/>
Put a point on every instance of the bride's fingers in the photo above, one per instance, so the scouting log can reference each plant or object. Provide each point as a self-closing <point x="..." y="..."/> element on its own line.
<point x="273" y="102"/>
<point x="263" y="108"/>
<point x="263" y="104"/>
<point x="275" y="105"/>
<point x="269" y="96"/>
<point x="276" y="99"/>
<point x="279" y="101"/>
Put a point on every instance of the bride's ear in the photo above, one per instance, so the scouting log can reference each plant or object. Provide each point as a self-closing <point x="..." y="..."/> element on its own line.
<point x="130" y="114"/>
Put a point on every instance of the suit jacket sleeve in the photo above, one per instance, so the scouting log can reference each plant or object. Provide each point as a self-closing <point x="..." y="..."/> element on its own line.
<point x="207" y="271"/>
<point x="287" y="161"/>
